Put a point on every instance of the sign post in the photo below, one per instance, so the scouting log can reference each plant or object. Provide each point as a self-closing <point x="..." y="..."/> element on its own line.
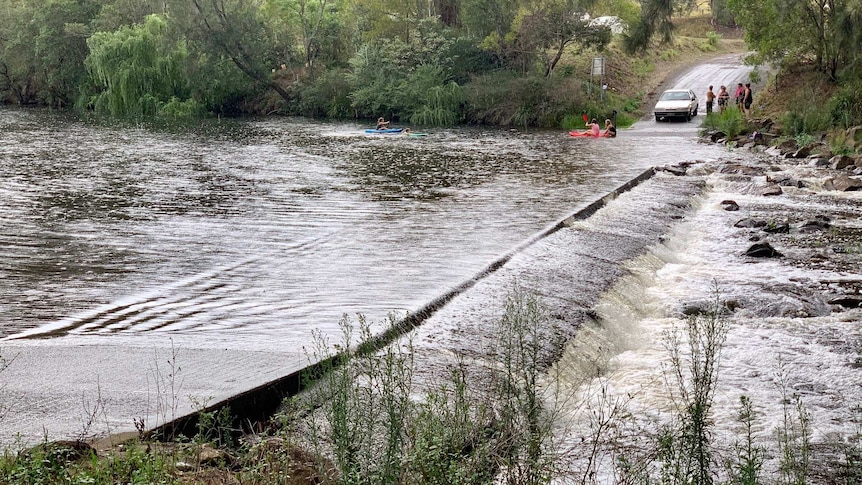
<point x="597" y="70"/>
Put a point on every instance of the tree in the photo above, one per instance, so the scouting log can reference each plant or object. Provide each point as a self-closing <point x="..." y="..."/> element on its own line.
<point x="313" y="23"/>
<point x="655" y="18"/>
<point x="233" y="30"/>
<point x="42" y="49"/>
<point x="825" y="31"/>
<point x="136" y="69"/>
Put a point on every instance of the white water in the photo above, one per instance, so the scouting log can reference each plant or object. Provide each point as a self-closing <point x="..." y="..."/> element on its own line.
<point x="772" y="353"/>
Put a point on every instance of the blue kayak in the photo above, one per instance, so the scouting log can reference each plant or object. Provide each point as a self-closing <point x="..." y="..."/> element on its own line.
<point x="385" y="131"/>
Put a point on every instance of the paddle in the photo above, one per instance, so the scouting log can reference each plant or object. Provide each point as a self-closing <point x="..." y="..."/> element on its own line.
<point x="585" y="118"/>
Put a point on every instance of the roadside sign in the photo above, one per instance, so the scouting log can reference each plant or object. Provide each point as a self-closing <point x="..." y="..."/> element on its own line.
<point x="598" y="66"/>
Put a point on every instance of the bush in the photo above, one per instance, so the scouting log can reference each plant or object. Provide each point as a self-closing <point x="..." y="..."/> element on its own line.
<point x="731" y="122"/>
<point x="326" y="96"/>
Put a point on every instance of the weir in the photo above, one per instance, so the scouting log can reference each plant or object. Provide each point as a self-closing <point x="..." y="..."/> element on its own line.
<point x="570" y="265"/>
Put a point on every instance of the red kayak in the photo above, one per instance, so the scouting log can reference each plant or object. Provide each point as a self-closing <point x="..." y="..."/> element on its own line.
<point x="583" y="134"/>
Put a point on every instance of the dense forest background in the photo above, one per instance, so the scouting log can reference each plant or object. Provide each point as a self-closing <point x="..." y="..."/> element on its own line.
<point x="428" y="62"/>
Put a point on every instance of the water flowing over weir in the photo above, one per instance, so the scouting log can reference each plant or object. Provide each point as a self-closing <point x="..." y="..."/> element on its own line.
<point x="788" y="343"/>
<point x="129" y="254"/>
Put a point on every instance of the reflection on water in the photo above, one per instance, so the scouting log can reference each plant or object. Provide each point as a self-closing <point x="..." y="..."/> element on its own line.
<point x="272" y="227"/>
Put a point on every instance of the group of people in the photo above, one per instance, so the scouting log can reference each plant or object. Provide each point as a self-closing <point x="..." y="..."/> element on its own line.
<point x="595" y="130"/>
<point x="742" y="99"/>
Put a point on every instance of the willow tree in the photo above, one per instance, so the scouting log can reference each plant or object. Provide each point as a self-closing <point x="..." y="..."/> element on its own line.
<point x="135" y="69"/>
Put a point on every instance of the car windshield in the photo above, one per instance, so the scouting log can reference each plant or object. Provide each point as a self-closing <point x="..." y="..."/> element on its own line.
<point x="675" y="96"/>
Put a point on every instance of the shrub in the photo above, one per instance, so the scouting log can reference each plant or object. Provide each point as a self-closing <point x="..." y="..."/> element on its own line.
<point x="730" y="122"/>
<point x="326" y="96"/>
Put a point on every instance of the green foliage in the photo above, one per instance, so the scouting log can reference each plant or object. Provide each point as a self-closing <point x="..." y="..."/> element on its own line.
<point x="326" y="96"/>
<point x="403" y="80"/>
<point x="668" y="55"/>
<point x="745" y="467"/>
<point x="711" y="42"/>
<point x="731" y="122"/>
<point x="805" y="119"/>
<point x="137" y="70"/>
<point x="50" y="464"/>
<point x="655" y="19"/>
<point x="803" y="139"/>
<point x="459" y="432"/>
<point x="823" y="33"/>
<point x="845" y="107"/>
<point x="686" y="446"/>
<point x="176" y="108"/>
<point x="42" y="48"/>
<point x="442" y="106"/>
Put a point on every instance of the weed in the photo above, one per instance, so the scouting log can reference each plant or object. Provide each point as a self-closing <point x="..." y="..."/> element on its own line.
<point x="168" y="385"/>
<point x="746" y="465"/>
<point x="730" y="122"/>
<point x="794" y="436"/>
<point x="686" y="446"/>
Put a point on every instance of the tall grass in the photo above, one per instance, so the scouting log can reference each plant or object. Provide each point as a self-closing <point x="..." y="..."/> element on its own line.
<point x="378" y="426"/>
<point x="731" y="122"/>
<point x="692" y="379"/>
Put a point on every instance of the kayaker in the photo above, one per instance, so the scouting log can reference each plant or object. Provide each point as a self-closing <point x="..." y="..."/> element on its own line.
<point x="382" y="124"/>
<point x="610" y="129"/>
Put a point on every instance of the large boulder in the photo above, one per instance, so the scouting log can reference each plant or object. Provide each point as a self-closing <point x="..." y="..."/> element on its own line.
<point x="762" y="250"/>
<point x="843" y="183"/>
<point x="840" y="162"/>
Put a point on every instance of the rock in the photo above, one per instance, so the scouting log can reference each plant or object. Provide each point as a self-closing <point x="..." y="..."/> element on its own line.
<point x="803" y="152"/>
<point x="843" y="183"/>
<point x="675" y="170"/>
<point x="850" y="301"/>
<point x="840" y="162"/>
<point x="777" y="228"/>
<point x="819" y="223"/>
<point x="729" y="205"/>
<point x="772" y="189"/>
<point x="787" y="146"/>
<point x="737" y="168"/>
<point x="786" y="181"/>
<point x="762" y="250"/>
<point x="718" y="135"/>
<point x="749" y="223"/>
<point x="818" y="161"/>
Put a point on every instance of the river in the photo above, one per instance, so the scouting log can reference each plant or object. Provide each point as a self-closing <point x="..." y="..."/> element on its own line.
<point x="146" y="271"/>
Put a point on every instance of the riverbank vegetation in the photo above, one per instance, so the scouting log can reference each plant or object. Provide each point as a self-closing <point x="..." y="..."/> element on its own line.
<point x="370" y="419"/>
<point x="811" y="50"/>
<point x="439" y="62"/>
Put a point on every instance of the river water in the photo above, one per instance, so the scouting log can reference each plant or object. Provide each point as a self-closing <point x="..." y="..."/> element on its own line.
<point x="219" y="248"/>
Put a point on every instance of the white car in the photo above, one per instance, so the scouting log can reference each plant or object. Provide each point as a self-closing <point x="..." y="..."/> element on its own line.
<point x="676" y="103"/>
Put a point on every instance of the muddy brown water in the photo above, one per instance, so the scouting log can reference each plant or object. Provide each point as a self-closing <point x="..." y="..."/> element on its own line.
<point x="147" y="270"/>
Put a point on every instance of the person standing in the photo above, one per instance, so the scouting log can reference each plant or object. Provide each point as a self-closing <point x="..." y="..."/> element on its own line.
<point x="723" y="98"/>
<point x="747" y="98"/>
<point x="710" y="98"/>
<point x="737" y="96"/>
